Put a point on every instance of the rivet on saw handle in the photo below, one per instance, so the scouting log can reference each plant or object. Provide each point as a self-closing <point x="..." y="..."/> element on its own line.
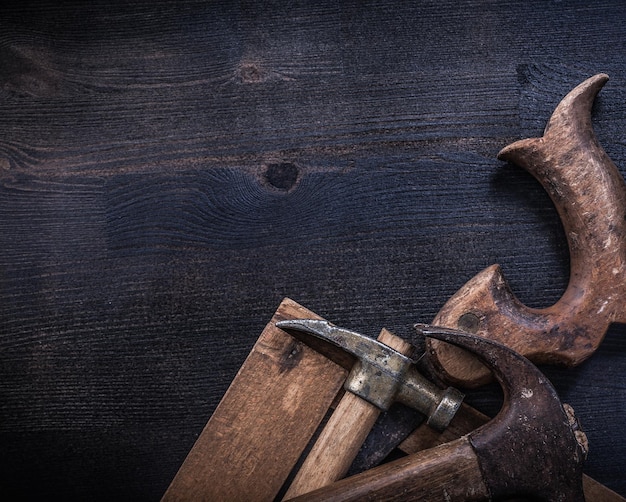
<point x="381" y="375"/>
<point x="590" y="196"/>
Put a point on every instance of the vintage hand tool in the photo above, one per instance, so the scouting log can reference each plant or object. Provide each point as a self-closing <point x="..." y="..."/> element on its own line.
<point x="379" y="376"/>
<point x="337" y="446"/>
<point x="341" y="437"/>
<point x="590" y="196"/>
<point x="532" y="448"/>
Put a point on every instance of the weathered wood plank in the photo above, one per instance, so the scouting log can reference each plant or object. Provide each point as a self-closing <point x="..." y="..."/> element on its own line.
<point x="264" y="421"/>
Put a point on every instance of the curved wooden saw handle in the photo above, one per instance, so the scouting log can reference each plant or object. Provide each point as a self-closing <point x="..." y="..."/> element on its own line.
<point x="590" y="196"/>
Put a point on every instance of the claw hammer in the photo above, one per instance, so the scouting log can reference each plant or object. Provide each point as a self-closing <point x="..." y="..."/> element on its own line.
<point x="534" y="446"/>
<point x="380" y="375"/>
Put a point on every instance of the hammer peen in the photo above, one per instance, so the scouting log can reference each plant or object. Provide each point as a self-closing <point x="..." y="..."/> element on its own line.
<point x="532" y="448"/>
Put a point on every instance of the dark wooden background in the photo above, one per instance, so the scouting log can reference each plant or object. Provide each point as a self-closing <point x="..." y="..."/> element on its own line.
<point x="169" y="171"/>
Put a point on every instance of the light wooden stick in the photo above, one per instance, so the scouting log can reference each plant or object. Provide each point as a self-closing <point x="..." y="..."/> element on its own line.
<point x="342" y="437"/>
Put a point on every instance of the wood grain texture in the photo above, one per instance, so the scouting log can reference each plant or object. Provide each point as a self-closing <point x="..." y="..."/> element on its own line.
<point x="264" y="421"/>
<point x="147" y="233"/>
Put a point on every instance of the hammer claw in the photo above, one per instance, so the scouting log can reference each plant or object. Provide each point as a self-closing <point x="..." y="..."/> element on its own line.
<point x="352" y="342"/>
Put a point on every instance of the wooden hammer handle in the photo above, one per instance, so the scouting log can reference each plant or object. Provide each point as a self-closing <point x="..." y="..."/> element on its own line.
<point x="448" y="472"/>
<point x="342" y="437"/>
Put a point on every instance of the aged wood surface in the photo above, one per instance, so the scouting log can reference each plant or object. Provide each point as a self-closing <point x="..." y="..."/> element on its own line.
<point x="170" y="171"/>
<point x="267" y="417"/>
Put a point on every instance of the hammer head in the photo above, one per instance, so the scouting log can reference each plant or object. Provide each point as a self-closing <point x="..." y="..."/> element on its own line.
<point x="533" y="446"/>
<point x="381" y="375"/>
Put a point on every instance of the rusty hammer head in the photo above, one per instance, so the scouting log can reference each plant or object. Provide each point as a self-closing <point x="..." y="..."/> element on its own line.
<point x="379" y="374"/>
<point x="533" y="446"/>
